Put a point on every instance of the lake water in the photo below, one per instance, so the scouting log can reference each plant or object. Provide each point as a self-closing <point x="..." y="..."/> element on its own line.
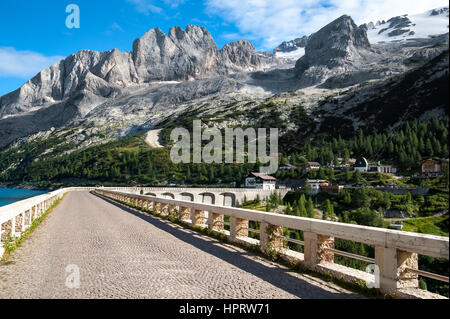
<point x="9" y="196"/>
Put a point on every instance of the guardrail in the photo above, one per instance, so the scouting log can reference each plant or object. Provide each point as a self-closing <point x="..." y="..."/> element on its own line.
<point x="18" y="217"/>
<point x="396" y="252"/>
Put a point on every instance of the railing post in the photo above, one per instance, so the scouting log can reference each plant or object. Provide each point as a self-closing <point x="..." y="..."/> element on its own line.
<point x="392" y="264"/>
<point x="29" y="215"/>
<point x="316" y="249"/>
<point x="13" y="226"/>
<point x="164" y="209"/>
<point x="173" y="211"/>
<point x="185" y="213"/>
<point x="5" y="230"/>
<point x="270" y="237"/>
<point x="151" y="205"/>
<point x="238" y="228"/>
<point x="197" y="217"/>
<point x="23" y="221"/>
<point x="215" y="221"/>
<point x="157" y="207"/>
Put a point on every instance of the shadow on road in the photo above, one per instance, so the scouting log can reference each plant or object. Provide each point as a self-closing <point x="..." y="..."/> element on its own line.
<point x="276" y="275"/>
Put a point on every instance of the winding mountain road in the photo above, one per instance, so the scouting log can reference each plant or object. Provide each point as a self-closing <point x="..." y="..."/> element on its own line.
<point x="121" y="253"/>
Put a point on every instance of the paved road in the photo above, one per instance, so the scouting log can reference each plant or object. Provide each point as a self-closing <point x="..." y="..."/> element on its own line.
<point x="125" y="254"/>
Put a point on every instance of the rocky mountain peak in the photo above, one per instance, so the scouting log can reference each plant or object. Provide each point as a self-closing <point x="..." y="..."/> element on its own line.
<point x="181" y="55"/>
<point x="338" y="35"/>
<point x="289" y="46"/>
<point x="240" y="54"/>
<point x="340" y="44"/>
<point x="440" y="11"/>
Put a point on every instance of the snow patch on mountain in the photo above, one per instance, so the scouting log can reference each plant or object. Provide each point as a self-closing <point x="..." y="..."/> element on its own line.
<point x="401" y="28"/>
<point x="291" y="55"/>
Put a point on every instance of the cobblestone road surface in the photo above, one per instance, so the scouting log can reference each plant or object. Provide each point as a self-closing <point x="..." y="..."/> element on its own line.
<point x="125" y="254"/>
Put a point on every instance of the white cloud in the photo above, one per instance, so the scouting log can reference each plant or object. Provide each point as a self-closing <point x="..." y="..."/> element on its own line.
<point x="146" y="6"/>
<point x="272" y="22"/>
<point x="174" y="3"/>
<point x="116" y="27"/>
<point x="23" y="64"/>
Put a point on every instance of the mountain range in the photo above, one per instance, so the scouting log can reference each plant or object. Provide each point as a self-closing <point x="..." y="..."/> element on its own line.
<point x="336" y="73"/>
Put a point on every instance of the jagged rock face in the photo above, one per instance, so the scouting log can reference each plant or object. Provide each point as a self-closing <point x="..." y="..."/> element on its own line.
<point x="182" y="55"/>
<point x="340" y="45"/>
<point x="116" y="68"/>
<point x="367" y="26"/>
<point x="400" y="25"/>
<point x="442" y="11"/>
<point x="59" y="82"/>
<point x="179" y="56"/>
<point x="190" y="54"/>
<point x="240" y="55"/>
<point x="289" y="46"/>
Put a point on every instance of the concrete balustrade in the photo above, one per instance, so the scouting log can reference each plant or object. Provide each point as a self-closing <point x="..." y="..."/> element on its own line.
<point x="219" y="196"/>
<point x="197" y="217"/>
<point x="396" y="252"/>
<point x="17" y="217"/>
<point x="270" y="237"/>
<point x="216" y="221"/>
<point x="238" y="227"/>
<point x="185" y="213"/>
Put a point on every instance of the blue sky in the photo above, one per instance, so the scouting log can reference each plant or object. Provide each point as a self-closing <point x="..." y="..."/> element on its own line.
<point x="33" y="34"/>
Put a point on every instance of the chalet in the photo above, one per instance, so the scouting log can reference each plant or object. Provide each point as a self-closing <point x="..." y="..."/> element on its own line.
<point x="260" y="181"/>
<point x="434" y="167"/>
<point x="312" y="166"/>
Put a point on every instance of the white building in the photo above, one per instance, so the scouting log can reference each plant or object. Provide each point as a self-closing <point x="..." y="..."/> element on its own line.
<point x="386" y="169"/>
<point x="260" y="181"/>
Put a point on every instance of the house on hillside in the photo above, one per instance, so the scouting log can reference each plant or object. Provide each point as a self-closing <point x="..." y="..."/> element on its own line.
<point x="260" y="181"/>
<point x="434" y="167"/>
<point x="311" y="166"/>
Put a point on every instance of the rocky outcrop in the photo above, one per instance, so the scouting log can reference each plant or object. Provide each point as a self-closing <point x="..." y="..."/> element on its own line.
<point x="240" y="55"/>
<point x="398" y="26"/>
<point x="441" y="11"/>
<point x="181" y="55"/>
<point x="289" y="46"/>
<point x="341" y="46"/>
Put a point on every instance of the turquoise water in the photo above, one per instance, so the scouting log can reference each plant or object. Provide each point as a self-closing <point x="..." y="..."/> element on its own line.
<point x="9" y="196"/>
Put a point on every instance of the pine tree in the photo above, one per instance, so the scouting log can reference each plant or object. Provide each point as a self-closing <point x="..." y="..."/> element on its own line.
<point x="329" y="210"/>
<point x="302" y="206"/>
<point x="310" y="208"/>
